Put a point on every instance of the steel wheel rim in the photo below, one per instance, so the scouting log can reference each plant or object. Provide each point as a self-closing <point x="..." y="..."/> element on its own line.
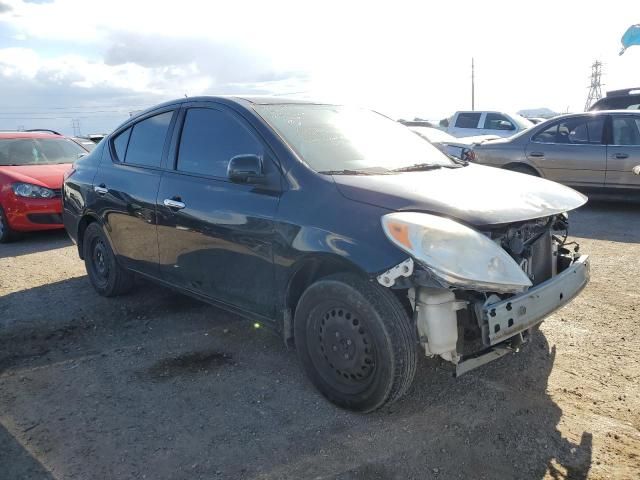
<point x="99" y="261"/>
<point x="343" y="351"/>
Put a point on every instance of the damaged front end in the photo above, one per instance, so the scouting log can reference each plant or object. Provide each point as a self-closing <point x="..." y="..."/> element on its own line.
<point x="470" y="317"/>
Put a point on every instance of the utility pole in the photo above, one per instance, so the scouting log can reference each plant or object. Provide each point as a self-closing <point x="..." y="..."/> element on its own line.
<point x="473" y="86"/>
<point x="595" y="93"/>
<point x="75" y="124"/>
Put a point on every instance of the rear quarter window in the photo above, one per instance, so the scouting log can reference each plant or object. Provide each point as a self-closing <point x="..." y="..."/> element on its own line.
<point x="146" y="140"/>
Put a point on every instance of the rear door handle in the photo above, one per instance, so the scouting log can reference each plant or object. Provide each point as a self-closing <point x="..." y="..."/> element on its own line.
<point x="536" y="154"/>
<point x="100" y="189"/>
<point x="175" y="204"/>
<point x="621" y="156"/>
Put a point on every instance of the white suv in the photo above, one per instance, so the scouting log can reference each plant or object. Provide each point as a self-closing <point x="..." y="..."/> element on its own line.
<point x="472" y="123"/>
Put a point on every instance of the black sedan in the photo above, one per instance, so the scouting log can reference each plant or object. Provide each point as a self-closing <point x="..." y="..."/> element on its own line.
<point x="352" y="236"/>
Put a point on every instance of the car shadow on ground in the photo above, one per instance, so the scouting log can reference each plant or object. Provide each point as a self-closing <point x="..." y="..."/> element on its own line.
<point x="27" y="243"/>
<point x="17" y="463"/>
<point x="158" y="383"/>
<point x="602" y="220"/>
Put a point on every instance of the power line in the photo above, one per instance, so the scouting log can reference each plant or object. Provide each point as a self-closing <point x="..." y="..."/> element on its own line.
<point x="62" y="117"/>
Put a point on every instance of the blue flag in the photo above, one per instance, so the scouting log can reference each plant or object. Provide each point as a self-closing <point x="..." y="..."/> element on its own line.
<point x="630" y="37"/>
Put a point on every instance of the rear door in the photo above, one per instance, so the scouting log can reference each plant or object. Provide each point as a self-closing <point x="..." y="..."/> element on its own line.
<point x="126" y="186"/>
<point x="465" y="124"/>
<point x="218" y="241"/>
<point x="571" y="151"/>
<point x="623" y="151"/>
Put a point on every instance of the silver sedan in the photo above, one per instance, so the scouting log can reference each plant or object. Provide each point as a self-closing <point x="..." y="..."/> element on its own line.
<point x="593" y="152"/>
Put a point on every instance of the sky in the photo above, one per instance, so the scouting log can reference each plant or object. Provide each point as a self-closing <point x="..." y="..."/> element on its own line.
<point x="92" y="62"/>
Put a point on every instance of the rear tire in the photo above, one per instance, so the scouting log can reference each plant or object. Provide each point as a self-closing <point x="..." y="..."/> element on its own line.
<point x="521" y="168"/>
<point x="6" y="234"/>
<point x="108" y="278"/>
<point x="356" y="342"/>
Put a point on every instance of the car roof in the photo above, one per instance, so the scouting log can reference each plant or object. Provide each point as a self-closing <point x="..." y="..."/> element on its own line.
<point x="244" y="100"/>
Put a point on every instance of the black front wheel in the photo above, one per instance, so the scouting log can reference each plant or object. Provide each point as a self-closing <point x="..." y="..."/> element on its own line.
<point x="356" y="342"/>
<point x="106" y="275"/>
<point x="6" y="234"/>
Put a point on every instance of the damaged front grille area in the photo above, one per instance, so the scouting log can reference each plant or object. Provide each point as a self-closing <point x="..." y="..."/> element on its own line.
<point x="532" y="247"/>
<point x="455" y="322"/>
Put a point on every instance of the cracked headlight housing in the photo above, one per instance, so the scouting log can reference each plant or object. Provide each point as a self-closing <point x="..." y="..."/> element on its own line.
<point x="455" y="253"/>
<point x="28" y="190"/>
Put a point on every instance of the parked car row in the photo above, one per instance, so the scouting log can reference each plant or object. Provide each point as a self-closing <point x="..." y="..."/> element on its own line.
<point x="461" y="148"/>
<point x="592" y="152"/>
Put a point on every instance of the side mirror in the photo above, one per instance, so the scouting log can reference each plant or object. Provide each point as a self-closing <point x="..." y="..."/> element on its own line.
<point x="245" y="169"/>
<point x="636" y="170"/>
<point x="504" y="125"/>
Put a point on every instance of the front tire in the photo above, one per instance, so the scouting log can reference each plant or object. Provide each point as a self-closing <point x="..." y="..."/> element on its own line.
<point x="356" y="342"/>
<point x="107" y="277"/>
<point x="6" y="234"/>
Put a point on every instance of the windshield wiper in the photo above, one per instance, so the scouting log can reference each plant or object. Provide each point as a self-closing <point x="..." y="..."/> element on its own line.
<point x="418" y="167"/>
<point x="347" y="172"/>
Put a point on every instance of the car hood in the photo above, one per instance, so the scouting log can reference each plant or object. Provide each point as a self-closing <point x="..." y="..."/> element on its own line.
<point x="49" y="176"/>
<point x="475" y="194"/>
<point x="469" y="141"/>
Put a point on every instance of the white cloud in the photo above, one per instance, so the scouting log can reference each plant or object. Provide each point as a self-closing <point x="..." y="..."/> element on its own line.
<point x="405" y="58"/>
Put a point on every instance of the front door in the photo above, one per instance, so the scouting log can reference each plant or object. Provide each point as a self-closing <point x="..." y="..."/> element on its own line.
<point x="571" y="151"/>
<point x="623" y="152"/>
<point x="215" y="236"/>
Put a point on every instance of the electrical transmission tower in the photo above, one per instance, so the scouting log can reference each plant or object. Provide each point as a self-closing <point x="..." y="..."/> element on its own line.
<point x="75" y="123"/>
<point x="595" y="93"/>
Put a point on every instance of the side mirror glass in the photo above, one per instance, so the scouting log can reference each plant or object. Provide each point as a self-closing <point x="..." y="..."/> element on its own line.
<point x="245" y="168"/>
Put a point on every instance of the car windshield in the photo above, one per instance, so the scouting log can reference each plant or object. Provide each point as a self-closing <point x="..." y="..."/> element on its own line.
<point x="38" y="151"/>
<point x="337" y="139"/>
<point x="522" y="122"/>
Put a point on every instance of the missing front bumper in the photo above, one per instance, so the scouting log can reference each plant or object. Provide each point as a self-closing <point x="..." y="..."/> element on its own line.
<point x="508" y="319"/>
<point x="521" y="312"/>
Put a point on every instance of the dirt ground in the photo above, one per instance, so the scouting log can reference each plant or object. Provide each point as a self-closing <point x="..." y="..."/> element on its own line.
<point x="156" y="385"/>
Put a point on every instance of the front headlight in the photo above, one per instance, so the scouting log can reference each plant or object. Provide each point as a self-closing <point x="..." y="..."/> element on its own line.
<point x="29" y="190"/>
<point x="455" y="253"/>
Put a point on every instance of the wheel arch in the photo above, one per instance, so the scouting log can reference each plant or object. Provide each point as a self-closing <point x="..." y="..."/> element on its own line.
<point x="84" y="222"/>
<point x="521" y="167"/>
<point x="305" y="272"/>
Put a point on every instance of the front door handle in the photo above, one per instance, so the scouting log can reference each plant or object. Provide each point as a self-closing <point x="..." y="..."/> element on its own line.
<point x="101" y="189"/>
<point x="175" y="204"/>
<point x="536" y="154"/>
<point x="621" y="156"/>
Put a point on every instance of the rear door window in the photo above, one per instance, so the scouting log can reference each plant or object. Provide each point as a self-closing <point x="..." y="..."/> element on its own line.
<point x="210" y="138"/>
<point x="120" y="144"/>
<point x="147" y="139"/>
<point x="468" y="120"/>
<point x="574" y="130"/>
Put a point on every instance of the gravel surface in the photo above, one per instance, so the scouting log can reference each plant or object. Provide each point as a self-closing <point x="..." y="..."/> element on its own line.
<point x="156" y="385"/>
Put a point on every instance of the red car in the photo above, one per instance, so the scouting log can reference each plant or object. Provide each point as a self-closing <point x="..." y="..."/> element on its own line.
<point x="32" y="166"/>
